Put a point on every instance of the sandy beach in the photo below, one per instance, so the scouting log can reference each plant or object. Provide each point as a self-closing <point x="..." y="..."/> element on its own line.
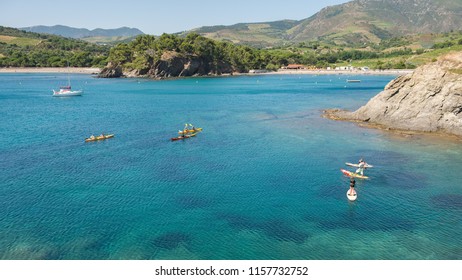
<point x="341" y="72"/>
<point x="280" y="71"/>
<point x="77" y="70"/>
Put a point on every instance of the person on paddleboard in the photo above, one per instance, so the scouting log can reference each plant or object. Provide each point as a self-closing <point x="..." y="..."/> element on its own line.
<point x="352" y="186"/>
<point x="362" y="165"/>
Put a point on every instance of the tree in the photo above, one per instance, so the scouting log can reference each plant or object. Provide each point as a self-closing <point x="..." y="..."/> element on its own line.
<point x="168" y="42"/>
<point x="120" y="53"/>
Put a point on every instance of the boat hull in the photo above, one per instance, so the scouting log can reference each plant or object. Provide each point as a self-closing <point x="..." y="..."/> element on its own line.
<point x="357" y="165"/>
<point x="199" y="129"/>
<point x="183" y="137"/>
<point x="352" y="174"/>
<point x="67" y="93"/>
<point x="98" y="138"/>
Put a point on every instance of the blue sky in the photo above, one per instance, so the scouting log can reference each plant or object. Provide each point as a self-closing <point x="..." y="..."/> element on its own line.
<point x="154" y="17"/>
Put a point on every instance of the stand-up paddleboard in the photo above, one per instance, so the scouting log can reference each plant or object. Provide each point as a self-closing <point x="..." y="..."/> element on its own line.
<point x="351" y="197"/>
<point x="352" y="174"/>
<point x="357" y="165"/>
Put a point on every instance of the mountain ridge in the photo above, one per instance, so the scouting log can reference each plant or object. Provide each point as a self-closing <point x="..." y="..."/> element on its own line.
<point x="80" y="33"/>
<point x="352" y="23"/>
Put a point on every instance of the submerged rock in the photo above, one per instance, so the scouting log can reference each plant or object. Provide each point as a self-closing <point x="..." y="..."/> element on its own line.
<point x="427" y="100"/>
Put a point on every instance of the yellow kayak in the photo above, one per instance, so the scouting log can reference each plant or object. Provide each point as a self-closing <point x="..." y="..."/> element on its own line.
<point x="183" y="137"/>
<point x="199" y="129"/>
<point x="100" y="137"/>
<point x="352" y="174"/>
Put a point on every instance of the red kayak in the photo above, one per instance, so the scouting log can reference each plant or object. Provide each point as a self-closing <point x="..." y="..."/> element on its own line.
<point x="183" y="137"/>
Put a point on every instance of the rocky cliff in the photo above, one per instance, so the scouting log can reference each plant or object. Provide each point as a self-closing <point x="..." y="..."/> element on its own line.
<point x="171" y="64"/>
<point x="428" y="100"/>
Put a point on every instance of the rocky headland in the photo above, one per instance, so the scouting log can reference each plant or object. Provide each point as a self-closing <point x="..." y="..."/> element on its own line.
<point x="427" y="100"/>
<point x="171" y="64"/>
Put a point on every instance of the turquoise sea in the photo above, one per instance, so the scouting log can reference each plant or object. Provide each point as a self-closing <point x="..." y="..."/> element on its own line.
<point x="262" y="181"/>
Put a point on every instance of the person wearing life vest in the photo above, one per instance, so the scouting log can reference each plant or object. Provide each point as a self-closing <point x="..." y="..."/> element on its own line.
<point x="362" y="165"/>
<point x="352" y="186"/>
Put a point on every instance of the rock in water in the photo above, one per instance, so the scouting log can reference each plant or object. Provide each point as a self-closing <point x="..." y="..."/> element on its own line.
<point x="171" y="64"/>
<point x="427" y="100"/>
<point x="111" y="71"/>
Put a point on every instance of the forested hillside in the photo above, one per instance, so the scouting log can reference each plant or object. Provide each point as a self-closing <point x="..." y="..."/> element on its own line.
<point x="172" y="56"/>
<point x="27" y="49"/>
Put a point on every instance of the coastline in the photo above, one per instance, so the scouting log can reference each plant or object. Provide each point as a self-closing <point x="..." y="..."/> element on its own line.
<point x="89" y="70"/>
<point x="332" y="114"/>
<point x="428" y="101"/>
<point x="339" y="72"/>
<point x="75" y="70"/>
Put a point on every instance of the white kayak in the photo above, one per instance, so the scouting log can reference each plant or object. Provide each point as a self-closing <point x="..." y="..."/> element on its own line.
<point x="357" y="165"/>
<point x="351" y="197"/>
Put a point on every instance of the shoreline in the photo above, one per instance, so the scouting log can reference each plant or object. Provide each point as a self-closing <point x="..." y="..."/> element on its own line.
<point x="338" y="72"/>
<point x="74" y="70"/>
<point x="331" y="114"/>
<point x="89" y="70"/>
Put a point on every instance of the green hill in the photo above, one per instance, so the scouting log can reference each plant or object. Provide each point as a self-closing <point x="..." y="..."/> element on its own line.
<point x="113" y="40"/>
<point x="193" y="55"/>
<point x="364" y="21"/>
<point x="352" y="24"/>
<point x="19" y="48"/>
<point x="253" y="34"/>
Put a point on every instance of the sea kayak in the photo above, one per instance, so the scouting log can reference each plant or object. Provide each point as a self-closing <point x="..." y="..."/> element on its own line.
<point x="352" y="174"/>
<point x="199" y="129"/>
<point x="100" y="137"/>
<point x="182" y="137"/>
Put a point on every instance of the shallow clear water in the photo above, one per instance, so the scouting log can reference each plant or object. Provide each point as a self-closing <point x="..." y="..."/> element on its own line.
<point x="262" y="181"/>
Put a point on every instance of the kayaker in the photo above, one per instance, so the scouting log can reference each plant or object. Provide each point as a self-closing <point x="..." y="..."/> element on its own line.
<point x="352" y="186"/>
<point x="362" y="165"/>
